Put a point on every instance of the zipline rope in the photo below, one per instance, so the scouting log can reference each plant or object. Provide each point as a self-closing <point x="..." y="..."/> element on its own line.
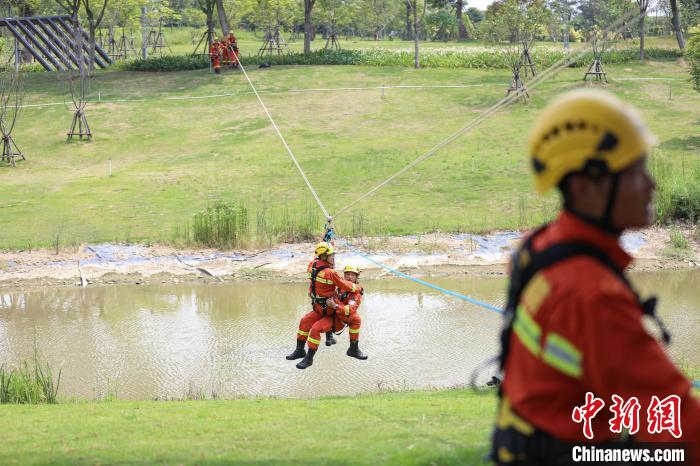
<point x="396" y="272"/>
<point x="555" y="68"/>
<point x="286" y="146"/>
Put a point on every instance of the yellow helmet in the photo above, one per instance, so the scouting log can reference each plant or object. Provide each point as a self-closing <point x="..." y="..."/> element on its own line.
<point x="351" y="268"/>
<point x="586" y="130"/>
<point x="324" y="248"/>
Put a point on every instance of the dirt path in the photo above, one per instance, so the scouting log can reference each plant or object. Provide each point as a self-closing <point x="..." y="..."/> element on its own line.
<point x="423" y="255"/>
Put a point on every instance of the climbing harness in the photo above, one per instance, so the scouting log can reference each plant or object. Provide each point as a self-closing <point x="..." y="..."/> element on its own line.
<point x="527" y="263"/>
<point x="315" y="299"/>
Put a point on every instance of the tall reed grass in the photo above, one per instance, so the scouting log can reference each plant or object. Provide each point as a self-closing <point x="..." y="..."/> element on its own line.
<point x="678" y="190"/>
<point x="228" y="225"/>
<point x="30" y="383"/>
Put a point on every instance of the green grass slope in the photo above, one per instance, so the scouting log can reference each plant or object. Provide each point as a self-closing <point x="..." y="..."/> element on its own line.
<point x="173" y="155"/>
<point x="448" y="427"/>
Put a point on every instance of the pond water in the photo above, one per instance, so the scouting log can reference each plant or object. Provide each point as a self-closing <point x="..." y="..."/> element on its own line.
<point x="171" y="341"/>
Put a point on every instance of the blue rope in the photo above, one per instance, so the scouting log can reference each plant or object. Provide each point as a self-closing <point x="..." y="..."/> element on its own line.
<point x="696" y="383"/>
<point x="461" y="296"/>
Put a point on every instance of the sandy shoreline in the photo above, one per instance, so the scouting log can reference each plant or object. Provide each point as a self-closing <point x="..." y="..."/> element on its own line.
<point x="421" y="255"/>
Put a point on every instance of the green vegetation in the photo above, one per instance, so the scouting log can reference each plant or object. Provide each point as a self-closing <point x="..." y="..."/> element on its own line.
<point x="473" y="57"/>
<point x="692" y="55"/>
<point x="28" y="384"/>
<point x="173" y="155"/>
<point x="446" y="427"/>
<point x="678" y="239"/>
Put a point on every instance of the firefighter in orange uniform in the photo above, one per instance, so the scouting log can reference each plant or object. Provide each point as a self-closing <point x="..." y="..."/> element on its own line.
<point x="233" y="50"/>
<point x="322" y="289"/>
<point x="346" y="313"/>
<point x="573" y="323"/>
<point x="214" y="56"/>
<point x="223" y="51"/>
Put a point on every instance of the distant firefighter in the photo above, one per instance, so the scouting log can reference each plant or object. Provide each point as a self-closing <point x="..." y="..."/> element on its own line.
<point x="233" y="50"/>
<point x="214" y="55"/>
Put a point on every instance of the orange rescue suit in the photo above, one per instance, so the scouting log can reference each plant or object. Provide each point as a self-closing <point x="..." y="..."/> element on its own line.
<point x="321" y="318"/>
<point x="581" y="331"/>
<point x="214" y="56"/>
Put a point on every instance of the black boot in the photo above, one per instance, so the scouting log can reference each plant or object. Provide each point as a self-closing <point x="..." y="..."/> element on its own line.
<point x="308" y="359"/>
<point x="330" y="340"/>
<point x="299" y="352"/>
<point x="354" y="351"/>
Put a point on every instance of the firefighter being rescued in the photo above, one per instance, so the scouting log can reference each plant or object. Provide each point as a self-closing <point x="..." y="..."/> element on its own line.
<point x="322" y="290"/>
<point x="214" y="56"/>
<point x="346" y="314"/>
<point x="574" y="325"/>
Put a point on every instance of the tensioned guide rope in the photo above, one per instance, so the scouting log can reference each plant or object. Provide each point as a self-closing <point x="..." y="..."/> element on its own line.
<point x="286" y="146"/>
<point x="555" y="68"/>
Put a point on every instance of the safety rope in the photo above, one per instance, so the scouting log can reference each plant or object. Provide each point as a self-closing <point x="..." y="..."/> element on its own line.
<point x="535" y="82"/>
<point x="396" y="272"/>
<point x="286" y="146"/>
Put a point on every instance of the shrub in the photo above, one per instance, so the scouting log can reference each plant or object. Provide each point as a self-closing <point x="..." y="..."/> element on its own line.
<point x="678" y="239"/>
<point x="477" y="57"/>
<point x="169" y="63"/>
<point x="692" y="55"/>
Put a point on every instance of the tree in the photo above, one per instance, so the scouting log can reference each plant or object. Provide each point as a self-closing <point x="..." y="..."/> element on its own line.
<point x="308" y="26"/>
<point x="223" y="19"/>
<point x="643" y="7"/>
<point x="676" y="22"/>
<point x="692" y="55"/>
<point x="462" y="28"/>
<point x="95" y="11"/>
<point x="475" y="15"/>
<point x="207" y="7"/>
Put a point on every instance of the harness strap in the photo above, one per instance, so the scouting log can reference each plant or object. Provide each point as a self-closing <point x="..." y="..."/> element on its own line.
<point x="314" y="297"/>
<point x="527" y="263"/>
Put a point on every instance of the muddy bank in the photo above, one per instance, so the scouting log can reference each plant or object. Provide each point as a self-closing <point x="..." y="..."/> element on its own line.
<point x="421" y="255"/>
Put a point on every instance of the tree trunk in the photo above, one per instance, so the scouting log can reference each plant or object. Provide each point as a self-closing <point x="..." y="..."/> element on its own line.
<point x="641" y="35"/>
<point x="225" y="29"/>
<point x="416" y="34"/>
<point x="210" y="26"/>
<point x="676" y="21"/>
<point x="409" y="28"/>
<point x="92" y="28"/>
<point x="459" y="6"/>
<point x="308" y="32"/>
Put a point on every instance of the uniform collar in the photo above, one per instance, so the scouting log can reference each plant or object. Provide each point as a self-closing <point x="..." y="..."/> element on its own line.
<point x="570" y="227"/>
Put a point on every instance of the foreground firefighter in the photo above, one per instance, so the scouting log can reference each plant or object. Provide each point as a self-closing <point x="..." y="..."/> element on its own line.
<point x="574" y="339"/>
<point x="324" y="280"/>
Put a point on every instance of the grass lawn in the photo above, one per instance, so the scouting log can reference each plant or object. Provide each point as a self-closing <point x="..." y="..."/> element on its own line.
<point x="172" y="157"/>
<point x="447" y="427"/>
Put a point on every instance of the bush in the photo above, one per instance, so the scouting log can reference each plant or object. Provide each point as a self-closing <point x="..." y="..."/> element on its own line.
<point x="692" y="55"/>
<point x="678" y="239"/>
<point x="477" y="57"/>
<point x="169" y="63"/>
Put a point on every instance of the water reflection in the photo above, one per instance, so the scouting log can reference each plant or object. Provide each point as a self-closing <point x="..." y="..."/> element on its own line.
<point x="163" y="341"/>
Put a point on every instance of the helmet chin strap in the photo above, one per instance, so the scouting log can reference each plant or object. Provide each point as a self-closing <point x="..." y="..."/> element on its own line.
<point x="605" y="222"/>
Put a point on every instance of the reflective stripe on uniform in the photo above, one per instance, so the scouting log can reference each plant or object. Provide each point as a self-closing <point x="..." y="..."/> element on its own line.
<point x="354" y="330"/>
<point x="353" y="288"/>
<point x="527" y="330"/>
<point x="563" y="355"/>
<point x="320" y="279"/>
<point x="314" y="341"/>
<point x="303" y="333"/>
<point x="347" y="310"/>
